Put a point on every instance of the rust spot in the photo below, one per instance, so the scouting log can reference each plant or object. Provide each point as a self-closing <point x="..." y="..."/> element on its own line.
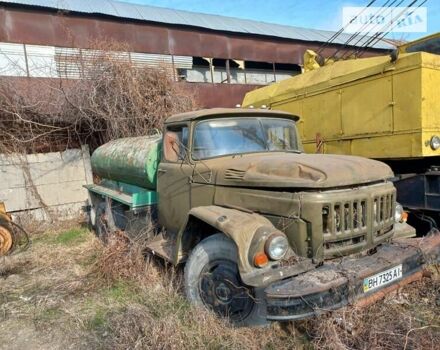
<point x="75" y="30"/>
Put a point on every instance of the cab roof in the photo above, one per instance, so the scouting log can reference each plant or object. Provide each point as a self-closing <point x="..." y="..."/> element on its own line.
<point x="221" y="112"/>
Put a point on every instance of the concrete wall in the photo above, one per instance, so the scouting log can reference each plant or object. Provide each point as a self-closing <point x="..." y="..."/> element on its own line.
<point x="46" y="185"/>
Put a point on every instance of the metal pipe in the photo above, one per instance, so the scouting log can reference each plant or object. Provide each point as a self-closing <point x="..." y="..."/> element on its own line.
<point x="274" y="72"/>
<point x="26" y="61"/>
<point x="81" y="61"/>
<point x="173" y="68"/>
<point x="211" y="69"/>
<point x="228" y="72"/>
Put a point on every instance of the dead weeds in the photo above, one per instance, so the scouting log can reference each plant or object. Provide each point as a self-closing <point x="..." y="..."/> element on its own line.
<point x="150" y="311"/>
<point x="406" y="319"/>
<point x="113" y="99"/>
<point x="70" y="291"/>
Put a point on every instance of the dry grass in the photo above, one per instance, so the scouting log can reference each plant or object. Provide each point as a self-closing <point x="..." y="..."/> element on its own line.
<point x="154" y="313"/>
<point x="69" y="291"/>
<point x="40" y="287"/>
<point x="407" y="319"/>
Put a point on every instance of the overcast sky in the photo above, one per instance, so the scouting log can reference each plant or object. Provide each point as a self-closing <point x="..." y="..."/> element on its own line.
<point x="319" y="14"/>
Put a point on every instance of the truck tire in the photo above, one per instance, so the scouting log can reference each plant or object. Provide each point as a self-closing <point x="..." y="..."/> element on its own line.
<point x="101" y="227"/>
<point x="212" y="281"/>
<point x="105" y="216"/>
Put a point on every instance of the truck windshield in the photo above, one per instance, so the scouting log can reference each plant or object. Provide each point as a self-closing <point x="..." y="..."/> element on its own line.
<point x="227" y="136"/>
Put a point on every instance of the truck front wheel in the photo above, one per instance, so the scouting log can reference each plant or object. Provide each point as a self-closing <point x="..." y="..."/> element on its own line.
<point x="212" y="280"/>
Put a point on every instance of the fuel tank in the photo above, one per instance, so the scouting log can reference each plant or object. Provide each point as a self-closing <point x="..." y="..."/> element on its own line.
<point x="132" y="160"/>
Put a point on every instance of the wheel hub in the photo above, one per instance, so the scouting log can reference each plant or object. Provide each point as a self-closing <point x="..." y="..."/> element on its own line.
<point x="222" y="291"/>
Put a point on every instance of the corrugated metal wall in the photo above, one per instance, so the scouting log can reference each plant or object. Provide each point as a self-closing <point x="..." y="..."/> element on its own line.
<point x="61" y="62"/>
<point x="37" y="61"/>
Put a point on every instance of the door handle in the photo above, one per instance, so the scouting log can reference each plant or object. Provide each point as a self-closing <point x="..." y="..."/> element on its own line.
<point x="161" y="170"/>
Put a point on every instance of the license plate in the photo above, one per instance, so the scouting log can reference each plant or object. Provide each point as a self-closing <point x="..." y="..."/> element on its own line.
<point x="382" y="278"/>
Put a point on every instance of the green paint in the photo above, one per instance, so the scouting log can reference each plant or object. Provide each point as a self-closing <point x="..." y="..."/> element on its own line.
<point x="132" y="160"/>
<point x="131" y="195"/>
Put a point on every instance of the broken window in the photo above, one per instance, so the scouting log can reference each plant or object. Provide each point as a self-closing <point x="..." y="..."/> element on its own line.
<point x="175" y="143"/>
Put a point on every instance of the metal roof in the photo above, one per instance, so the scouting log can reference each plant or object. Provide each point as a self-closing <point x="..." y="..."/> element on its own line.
<point x="186" y="18"/>
<point x="202" y="113"/>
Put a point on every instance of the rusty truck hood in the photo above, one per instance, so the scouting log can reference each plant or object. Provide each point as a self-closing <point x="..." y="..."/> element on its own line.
<point x="282" y="169"/>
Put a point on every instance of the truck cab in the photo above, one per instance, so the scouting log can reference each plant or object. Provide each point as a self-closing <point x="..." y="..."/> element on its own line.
<point x="262" y="228"/>
<point x="381" y="107"/>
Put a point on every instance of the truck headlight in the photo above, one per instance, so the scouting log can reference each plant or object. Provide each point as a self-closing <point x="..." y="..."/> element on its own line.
<point x="276" y="246"/>
<point x="435" y="142"/>
<point x="399" y="213"/>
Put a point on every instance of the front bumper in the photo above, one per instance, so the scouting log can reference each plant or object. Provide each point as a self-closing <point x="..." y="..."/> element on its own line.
<point x="339" y="282"/>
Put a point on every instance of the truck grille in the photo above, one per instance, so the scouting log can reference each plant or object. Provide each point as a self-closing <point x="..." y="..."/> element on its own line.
<point x="346" y="225"/>
<point x="344" y="217"/>
<point x="383" y="214"/>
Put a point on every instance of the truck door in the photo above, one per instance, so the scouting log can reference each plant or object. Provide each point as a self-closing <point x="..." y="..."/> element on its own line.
<point x="173" y="178"/>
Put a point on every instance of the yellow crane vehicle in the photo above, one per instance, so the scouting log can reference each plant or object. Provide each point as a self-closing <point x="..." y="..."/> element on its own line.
<point x="384" y="107"/>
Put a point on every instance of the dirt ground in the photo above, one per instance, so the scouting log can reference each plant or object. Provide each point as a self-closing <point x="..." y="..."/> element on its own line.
<point x="67" y="291"/>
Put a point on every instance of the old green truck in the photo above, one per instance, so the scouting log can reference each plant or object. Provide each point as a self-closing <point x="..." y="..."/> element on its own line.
<point x="264" y="229"/>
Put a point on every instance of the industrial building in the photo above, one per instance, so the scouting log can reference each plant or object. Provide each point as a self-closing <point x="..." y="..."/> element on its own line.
<point x="221" y="57"/>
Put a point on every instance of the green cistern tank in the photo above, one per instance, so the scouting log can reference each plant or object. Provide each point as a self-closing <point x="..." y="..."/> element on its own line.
<point x="131" y="160"/>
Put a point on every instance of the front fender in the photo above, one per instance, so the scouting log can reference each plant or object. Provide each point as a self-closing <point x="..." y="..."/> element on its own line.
<point x="238" y="225"/>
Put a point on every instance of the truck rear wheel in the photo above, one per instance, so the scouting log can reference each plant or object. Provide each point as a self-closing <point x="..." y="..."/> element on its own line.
<point x="101" y="225"/>
<point x="212" y="280"/>
<point x="109" y="217"/>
